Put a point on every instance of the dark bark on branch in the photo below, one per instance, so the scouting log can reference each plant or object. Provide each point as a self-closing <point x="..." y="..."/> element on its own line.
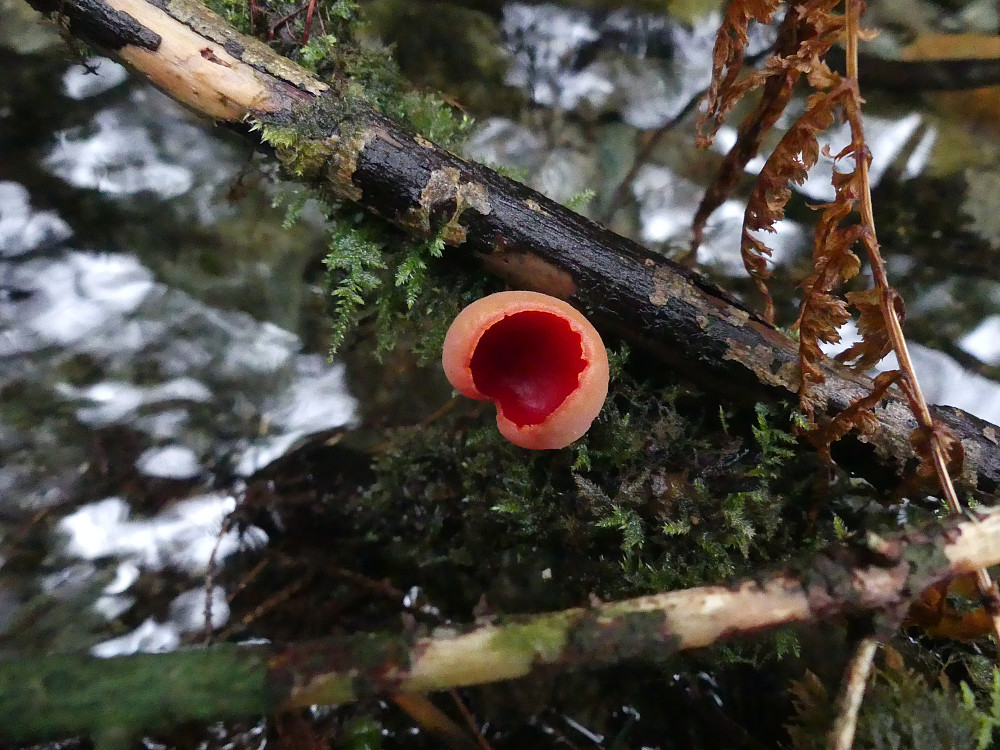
<point x="511" y="230"/>
<point x="54" y="696"/>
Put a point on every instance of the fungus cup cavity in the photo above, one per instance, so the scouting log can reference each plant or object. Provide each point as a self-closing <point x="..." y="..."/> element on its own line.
<point x="537" y="358"/>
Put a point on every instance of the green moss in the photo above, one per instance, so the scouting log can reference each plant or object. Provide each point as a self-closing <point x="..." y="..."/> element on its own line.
<point x="340" y="50"/>
<point x="776" y="444"/>
<point x="360" y="733"/>
<point x="369" y="263"/>
<point x="580" y="200"/>
<point x="679" y="525"/>
<point x="655" y="490"/>
<point x="471" y="72"/>
<point x="545" y="639"/>
<point x="53" y="696"/>
<point x="378" y="274"/>
<point x="985" y="706"/>
<point x="236" y="12"/>
<point x="355" y="256"/>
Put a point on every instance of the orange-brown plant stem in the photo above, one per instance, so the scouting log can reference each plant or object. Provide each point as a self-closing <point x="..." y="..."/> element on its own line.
<point x="987" y="588"/>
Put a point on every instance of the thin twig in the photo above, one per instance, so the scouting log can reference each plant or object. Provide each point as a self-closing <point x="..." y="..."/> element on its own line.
<point x="987" y="588"/>
<point x="247" y="578"/>
<point x="851" y="695"/>
<point x="645" y="151"/>
<point x="877" y="577"/>
<point x="470" y="720"/>
<point x="210" y="571"/>
<point x="432" y="719"/>
<point x="273" y="601"/>
<point x="283" y="20"/>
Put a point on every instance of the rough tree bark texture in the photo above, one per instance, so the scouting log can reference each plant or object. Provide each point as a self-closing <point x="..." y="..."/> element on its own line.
<point x="511" y="230"/>
<point x="48" y="697"/>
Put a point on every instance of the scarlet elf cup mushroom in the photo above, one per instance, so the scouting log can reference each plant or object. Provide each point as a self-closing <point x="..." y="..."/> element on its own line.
<point x="537" y="358"/>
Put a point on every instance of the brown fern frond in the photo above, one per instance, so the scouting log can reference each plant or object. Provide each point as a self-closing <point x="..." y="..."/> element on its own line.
<point x="789" y="163"/>
<point x="727" y="61"/>
<point x="824" y="310"/>
<point x="875" y="341"/>
<point x="822" y="313"/>
<point x="802" y="42"/>
<point x="827" y="28"/>
<point x="925" y="441"/>
<point x="856" y="416"/>
<point x="806" y="35"/>
<point x="826" y="313"/>
<point x="778" y="79"/>
<point x="835" y="263"/>
<point x="932" y="439"/>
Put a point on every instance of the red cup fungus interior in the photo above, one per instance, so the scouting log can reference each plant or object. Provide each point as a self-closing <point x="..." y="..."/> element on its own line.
<point x="528" y="363"/>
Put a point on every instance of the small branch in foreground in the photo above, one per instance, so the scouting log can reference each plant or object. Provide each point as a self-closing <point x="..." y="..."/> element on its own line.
<point x="852" y="694"/>
<point x="54" y="696"/>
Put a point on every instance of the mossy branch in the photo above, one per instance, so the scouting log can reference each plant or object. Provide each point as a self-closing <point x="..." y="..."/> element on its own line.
<point x="329" y="137"/>
<point x="54" y="696"/>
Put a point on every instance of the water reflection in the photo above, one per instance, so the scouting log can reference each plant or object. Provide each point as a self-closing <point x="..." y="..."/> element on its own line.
<point x="22" y="229"/>
<point x="643" y="66"/>
<point x="187" y="616"/>
<point x="667" y="202"/>
<point x="945" y="382"/>
<point x="92" y="77"/>
<point x="169" y="462"/>
<point x="77" y="299"/>
<point x="184" y="537"/>
<point x="983" y="342"/>
<point x="116" y="159"/>
<point x="130" y="403"/>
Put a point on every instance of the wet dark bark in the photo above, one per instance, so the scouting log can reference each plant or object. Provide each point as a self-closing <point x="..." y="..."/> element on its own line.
<point x="532" y="242"/>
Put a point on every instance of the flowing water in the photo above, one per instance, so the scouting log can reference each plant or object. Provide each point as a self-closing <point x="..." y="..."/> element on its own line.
<point x="151" y="339"/>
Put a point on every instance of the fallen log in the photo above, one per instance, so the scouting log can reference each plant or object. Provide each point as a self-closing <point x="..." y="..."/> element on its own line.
<point x="352" y="152"/>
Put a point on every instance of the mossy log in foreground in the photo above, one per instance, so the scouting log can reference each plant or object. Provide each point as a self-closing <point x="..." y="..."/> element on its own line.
<point x="352" y="152"/>
<point x="55" y="696"/>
